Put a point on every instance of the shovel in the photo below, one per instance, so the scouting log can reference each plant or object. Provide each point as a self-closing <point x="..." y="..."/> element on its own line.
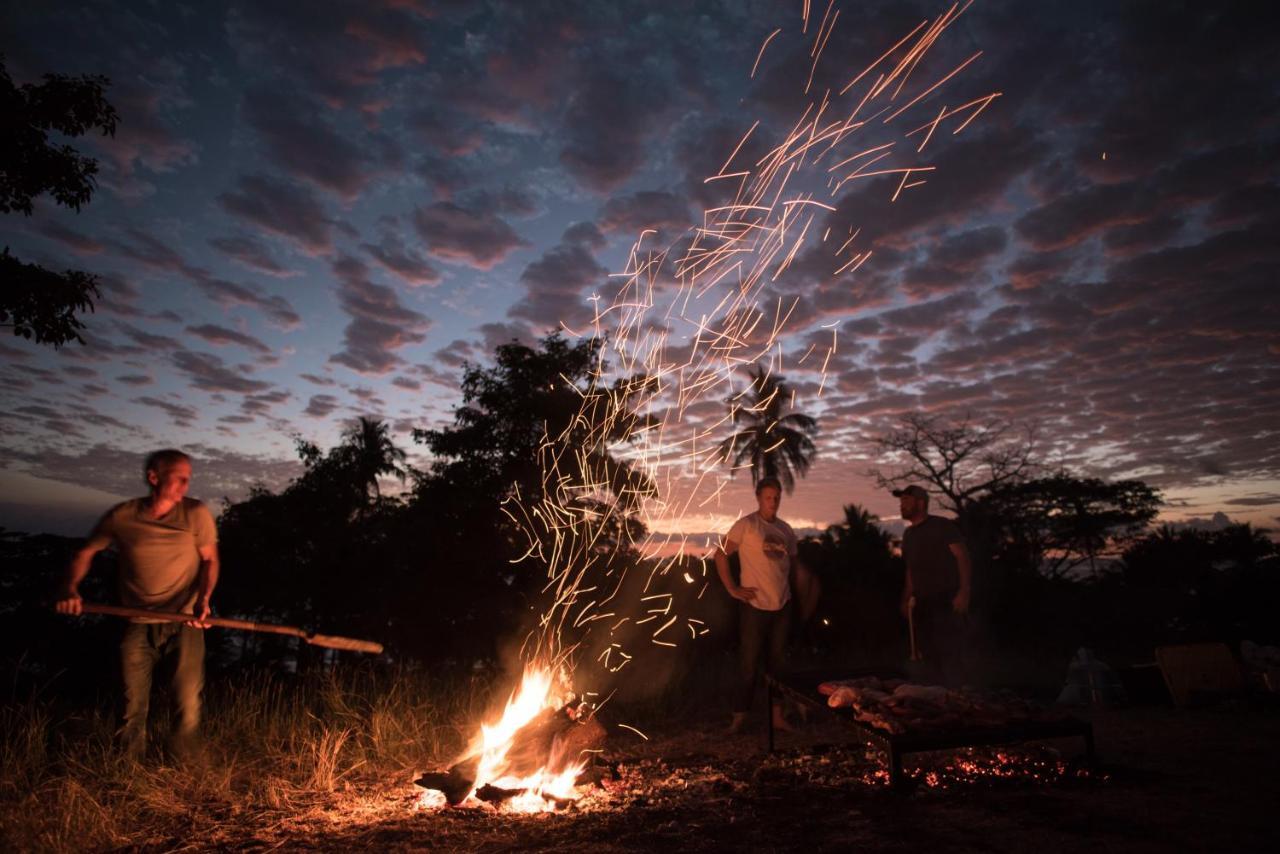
<point x="330" y="641"/>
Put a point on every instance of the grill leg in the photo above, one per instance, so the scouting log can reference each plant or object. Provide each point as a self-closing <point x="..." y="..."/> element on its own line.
<point x="896" y="778"/>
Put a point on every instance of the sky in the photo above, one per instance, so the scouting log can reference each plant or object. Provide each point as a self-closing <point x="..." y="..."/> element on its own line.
<point x="315" y="211"/>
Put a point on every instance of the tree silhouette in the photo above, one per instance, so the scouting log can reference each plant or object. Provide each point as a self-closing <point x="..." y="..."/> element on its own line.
<point x="962" y="461"/>
<point x="373" y="453"/>
<point x="37" y="303"/>
<point x="778" y="445"/>
<point x="528" y="397"/>
<point x="1055" y="524"/>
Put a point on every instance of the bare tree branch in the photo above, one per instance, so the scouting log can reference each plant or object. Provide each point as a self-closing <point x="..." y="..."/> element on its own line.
<point x="960" y="461"/>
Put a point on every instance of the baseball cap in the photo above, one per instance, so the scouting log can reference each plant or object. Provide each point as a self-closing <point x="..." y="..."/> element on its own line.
<point x="913" y="490"/>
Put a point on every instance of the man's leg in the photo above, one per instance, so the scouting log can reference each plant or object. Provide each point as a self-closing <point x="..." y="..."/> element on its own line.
<point x="936" y="638"/>
<point x="750" y="641"/>
<point x="187" y="647"/>
<point x="779" y="624"/>
<point x="138" y="657"/>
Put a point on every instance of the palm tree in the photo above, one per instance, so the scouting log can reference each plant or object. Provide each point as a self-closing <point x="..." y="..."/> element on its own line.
<point x="777" y="445"/>
<point x="373" y="454"/>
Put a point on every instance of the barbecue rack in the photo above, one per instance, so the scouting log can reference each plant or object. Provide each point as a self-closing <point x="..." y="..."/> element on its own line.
<point x="803" y="687"/>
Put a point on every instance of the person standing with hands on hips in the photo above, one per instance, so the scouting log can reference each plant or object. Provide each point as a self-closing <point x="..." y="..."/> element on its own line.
<point x="766" y="546"/>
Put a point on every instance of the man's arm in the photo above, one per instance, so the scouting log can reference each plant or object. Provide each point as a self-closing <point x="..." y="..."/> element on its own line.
<point x="69" y="601"/>
<point x="205" y="582"/>
<point x="964" y="566"/>
<point x="745" y="594"/>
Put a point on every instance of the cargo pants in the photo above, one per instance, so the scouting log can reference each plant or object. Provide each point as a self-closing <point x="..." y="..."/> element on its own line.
<point x="178" y="649"/>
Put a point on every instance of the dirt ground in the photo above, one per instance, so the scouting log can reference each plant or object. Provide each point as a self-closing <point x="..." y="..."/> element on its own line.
<point x="1201" y="780"/>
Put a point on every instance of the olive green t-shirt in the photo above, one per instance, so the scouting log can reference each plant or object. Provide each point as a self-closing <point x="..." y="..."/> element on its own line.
<point x="159" y="558"/>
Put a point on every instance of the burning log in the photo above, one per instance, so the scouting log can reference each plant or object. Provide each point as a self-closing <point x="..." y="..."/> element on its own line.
<point x="553" y="741"/>
<point x="456" y="783"/>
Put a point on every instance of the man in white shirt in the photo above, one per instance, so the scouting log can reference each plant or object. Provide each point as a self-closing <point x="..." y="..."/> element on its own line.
<point x="766" y="547"/>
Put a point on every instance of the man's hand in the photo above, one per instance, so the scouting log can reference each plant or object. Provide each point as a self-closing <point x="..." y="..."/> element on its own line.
<point x="69" y="602"/>
<point x="743" y="594"/>
<point x="960" y="604"/>
<point x="201" y="614"/>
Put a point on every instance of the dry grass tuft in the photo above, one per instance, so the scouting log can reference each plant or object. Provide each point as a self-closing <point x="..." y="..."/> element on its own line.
<point x="276" y="752"/>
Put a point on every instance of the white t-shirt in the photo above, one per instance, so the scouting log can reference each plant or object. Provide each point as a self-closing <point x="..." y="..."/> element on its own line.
<point x="766" y="550"/>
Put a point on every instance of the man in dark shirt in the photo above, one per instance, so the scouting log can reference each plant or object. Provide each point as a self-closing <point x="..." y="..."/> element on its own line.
<point x="936" y="593"/>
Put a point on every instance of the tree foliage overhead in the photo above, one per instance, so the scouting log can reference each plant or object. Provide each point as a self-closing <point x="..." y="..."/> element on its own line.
<point x="37" y="303"/>
<point x="776" y="442"/>
<point x="31" y="164"/>
<point x="42" y="305"/>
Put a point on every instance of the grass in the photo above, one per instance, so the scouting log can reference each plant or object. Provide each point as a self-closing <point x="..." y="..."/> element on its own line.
<point x="274" y="752"/>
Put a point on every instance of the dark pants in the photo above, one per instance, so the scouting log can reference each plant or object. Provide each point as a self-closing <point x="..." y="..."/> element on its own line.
<point x="940" y="639"/>
<point x="759" y="632"/>
<point x="179" y="648"/>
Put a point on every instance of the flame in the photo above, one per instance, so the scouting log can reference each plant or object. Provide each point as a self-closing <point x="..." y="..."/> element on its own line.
<point x="541" y="688"/>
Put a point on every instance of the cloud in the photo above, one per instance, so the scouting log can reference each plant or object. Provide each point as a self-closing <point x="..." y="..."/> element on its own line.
<point x="631" y="214"/>
<point x="348" y="49"/>
<point x="554" y="285"/>
<point x="458" y="235"/>
<point x="149" y="341"/>
<point x="494" y="334"/>
<point x="74" y="240"/>
<point x="607" y="126"/>
<point x="300" y="143"/>
<point x="1265" y="499"/>
<point x="508" y="201"/>
<point x="449" y="134"/>
<point x="209" y="373"/>
<point x="183" y="416"/>
<point x="456" y="353"/>
<point x="409" y="266"/>
<point x="220" y="335"/>
<point x="251" y="253"/>
<point x="956" y="263"/>
<point x="380" y="324"/>
<point x="261" y="404"/>
<point x="320" y="406"/>
<point x="584" y="234"/>
<point x="145" y="142"/>
<point x="228" y="294"/>
<point x="282" y="208"/>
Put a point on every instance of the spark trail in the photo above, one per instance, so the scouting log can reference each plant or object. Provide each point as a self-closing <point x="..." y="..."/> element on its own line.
<point x="642" y="452"/>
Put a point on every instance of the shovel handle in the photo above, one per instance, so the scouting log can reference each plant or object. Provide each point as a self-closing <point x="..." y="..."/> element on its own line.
<point x="330" y="641"/>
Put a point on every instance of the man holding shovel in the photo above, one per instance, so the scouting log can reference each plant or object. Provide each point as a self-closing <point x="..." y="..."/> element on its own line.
<point x="935" y="595"/>
<point x="168" y="563"/>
